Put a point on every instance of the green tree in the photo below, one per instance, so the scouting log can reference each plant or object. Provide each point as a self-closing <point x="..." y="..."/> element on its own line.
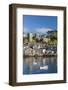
<point x="53" y="37"/>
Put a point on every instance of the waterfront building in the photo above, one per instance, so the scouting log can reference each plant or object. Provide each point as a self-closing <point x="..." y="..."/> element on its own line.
<point x="28" y="51"/>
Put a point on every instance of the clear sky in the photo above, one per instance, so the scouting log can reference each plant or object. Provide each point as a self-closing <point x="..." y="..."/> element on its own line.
<point x="39" y="24"/>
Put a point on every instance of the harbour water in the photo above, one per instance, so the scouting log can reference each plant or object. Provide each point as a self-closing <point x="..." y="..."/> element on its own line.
<point x="39" y="65"/>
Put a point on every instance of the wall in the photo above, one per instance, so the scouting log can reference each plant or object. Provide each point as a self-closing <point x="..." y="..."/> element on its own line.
<point x="4" y="44"/>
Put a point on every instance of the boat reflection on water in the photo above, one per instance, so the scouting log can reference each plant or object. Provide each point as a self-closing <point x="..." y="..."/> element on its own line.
<point x="39" y="65"/>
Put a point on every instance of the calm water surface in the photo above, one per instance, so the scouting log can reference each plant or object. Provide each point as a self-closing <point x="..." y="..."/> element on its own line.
<point x="39" y="65"/>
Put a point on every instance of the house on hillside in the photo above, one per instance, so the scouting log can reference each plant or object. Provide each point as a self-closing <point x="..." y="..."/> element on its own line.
<point x="46" y="39"/>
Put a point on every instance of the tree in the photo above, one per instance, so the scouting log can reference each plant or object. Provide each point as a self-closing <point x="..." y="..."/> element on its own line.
<point x="53" y="37"/>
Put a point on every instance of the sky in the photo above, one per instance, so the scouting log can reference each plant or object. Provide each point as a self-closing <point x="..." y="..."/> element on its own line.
<point x="39" y="24"/>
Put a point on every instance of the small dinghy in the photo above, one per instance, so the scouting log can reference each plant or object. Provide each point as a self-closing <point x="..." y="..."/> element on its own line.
<point x="44" y="67"/>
